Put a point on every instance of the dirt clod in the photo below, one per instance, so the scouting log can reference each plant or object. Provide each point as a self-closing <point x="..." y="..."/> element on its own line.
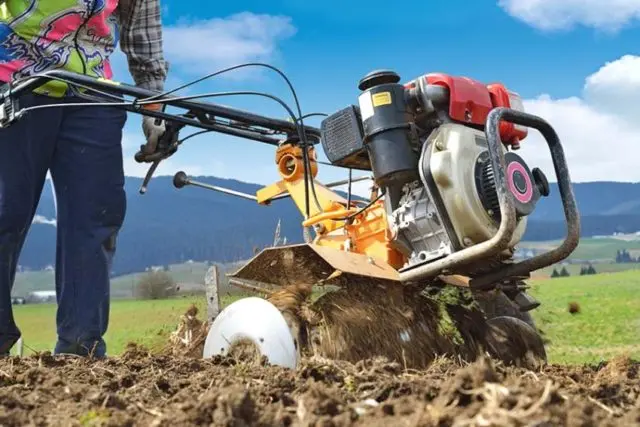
<point x="574" y="308"/>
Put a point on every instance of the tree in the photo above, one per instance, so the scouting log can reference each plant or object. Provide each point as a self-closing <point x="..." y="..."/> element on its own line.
<point x="583" y="270"/>
<point x="156" y="285"/>
<point x="623" y="256"/>
<point x="564" y="272"/>
<point x="591" y="269"/>
<point x="555" y="273"/>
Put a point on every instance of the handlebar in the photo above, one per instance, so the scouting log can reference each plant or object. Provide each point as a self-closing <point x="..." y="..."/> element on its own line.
<point x="203" y="115"/>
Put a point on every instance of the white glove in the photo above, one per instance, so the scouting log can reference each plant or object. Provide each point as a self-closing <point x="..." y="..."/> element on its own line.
<point x="153" y="128"/>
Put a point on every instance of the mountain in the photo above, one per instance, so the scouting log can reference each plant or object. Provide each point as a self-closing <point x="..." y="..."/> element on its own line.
<point x="605" y="208"/>
<point x="167" y="225"/>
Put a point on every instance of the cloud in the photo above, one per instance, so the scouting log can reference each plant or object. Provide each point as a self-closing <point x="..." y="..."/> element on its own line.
<point x="553" y="15"/>
<point x="39" y="219"/>
<point x="599" y="130"/>
<point x="200" y="47"/>
<point x="203" y="46"/>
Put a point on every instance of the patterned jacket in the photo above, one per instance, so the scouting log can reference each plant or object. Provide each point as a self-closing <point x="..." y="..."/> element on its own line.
<point x="80" y="36"/>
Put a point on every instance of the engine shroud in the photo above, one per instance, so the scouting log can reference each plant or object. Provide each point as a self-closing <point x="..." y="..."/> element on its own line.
<point x="453" y="205"/>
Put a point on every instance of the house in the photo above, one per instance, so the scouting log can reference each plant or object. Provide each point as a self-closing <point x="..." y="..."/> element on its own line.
<point x="41" y="296"/>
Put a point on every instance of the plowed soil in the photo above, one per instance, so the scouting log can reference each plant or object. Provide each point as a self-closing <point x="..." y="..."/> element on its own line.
<point x="139" y="388"/>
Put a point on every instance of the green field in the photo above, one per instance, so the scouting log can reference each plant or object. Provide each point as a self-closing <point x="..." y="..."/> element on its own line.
<point x="144" y="322"/>
<point x="608" y="324"/>
<point x="609" y="321"/>
<point x="121" y="286"/>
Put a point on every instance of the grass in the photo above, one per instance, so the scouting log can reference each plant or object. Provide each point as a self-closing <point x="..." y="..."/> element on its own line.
<point x="121" y="286"/>
<point x="608" y="324"/>
<point x="145" y="322"/>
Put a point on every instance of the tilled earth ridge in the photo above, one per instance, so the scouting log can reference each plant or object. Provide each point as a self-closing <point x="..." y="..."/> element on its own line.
<point x="139" y="388"/>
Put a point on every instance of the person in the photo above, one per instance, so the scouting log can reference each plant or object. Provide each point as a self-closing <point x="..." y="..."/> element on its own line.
<point x="81" y="147"/>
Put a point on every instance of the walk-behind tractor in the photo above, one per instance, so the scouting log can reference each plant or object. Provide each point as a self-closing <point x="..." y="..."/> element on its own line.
<point x="423" y="267"/>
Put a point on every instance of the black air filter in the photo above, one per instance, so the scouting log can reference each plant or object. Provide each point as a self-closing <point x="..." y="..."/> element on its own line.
<point x="342" y="139"/>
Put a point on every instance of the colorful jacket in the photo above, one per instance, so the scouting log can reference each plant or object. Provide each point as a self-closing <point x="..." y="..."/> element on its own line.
<point x="80" y="36"/>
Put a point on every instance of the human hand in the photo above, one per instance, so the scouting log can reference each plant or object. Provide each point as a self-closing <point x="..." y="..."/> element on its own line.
<point x="153" y="128"/>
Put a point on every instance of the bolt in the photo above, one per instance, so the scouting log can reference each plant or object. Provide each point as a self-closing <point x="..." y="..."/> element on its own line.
<point x="440" y="145"/>
<point x="467" y="241"/>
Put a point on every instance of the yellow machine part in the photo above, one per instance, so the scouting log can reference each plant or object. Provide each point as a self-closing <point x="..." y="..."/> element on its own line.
<point x="341" y="251"/>
<point x="358" y="247"/>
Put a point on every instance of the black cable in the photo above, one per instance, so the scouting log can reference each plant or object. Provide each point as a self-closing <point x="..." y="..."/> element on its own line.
<point x="306" y="116"/>
<point x="192" y="135"/>
<point x="299" y="126"/>
<point x="349" y="190"/>
<point x="299" y="122"/>
<point x="364" y="208"/>
<point x="208" y="95"/>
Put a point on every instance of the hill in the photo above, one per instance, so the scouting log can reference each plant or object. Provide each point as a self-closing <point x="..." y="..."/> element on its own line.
<point x="168" y="225"/>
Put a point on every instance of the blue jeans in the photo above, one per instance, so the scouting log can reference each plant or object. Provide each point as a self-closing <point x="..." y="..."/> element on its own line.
<point x="81" y="146"/>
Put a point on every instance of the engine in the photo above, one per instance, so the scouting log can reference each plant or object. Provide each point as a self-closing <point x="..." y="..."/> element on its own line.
<point x="454" y="204"/>
<point x="426" y="145"/>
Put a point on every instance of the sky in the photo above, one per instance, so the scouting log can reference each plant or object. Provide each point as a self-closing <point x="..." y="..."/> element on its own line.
<point x="574" y="62"/>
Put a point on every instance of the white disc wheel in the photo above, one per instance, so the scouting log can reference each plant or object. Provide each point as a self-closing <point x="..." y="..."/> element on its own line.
<point x="255" y="320"/>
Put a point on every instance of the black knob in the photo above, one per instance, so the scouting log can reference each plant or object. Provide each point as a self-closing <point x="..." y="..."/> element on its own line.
<point x="180" y="179"/>
<point x="139" y="156"/>
<point x="541" y="181"/>
<point x="378" y="77"/>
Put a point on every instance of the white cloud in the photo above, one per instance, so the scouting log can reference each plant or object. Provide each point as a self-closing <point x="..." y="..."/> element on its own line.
<point x="200" y="47"/>
<point x="204" y="46"/>
<point x="615" y="88"/>
<point x="552" y="15"/>
<point x="40" y="219"/>
<point x="597" y="130"/>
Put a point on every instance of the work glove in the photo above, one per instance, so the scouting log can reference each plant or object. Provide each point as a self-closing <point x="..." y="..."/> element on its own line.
<point x="153" y="128"/>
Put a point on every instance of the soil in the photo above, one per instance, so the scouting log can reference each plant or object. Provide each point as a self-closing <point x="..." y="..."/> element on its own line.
<point x="141" y="388"/>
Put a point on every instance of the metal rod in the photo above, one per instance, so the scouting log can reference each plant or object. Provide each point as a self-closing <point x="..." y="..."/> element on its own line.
<point x="216" y="127"/>
<point x="252" y="285"/>
<point x="572" y="216"/>
<point x="189" y="181"/>
<point x="139" y="93"/>
<point x="223" y="190"/>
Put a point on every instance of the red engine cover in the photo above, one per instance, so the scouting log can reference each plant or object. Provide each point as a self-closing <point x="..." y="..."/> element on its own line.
<point x="509" y="133"/>
<point x="471" y="101"/>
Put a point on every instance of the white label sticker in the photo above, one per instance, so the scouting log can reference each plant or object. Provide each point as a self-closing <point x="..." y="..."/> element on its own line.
<point x="366" y="105"/>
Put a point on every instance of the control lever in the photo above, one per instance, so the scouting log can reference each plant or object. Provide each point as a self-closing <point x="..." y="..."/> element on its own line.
<point x="167" y="146"/>
<point x="180" y="180"/>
